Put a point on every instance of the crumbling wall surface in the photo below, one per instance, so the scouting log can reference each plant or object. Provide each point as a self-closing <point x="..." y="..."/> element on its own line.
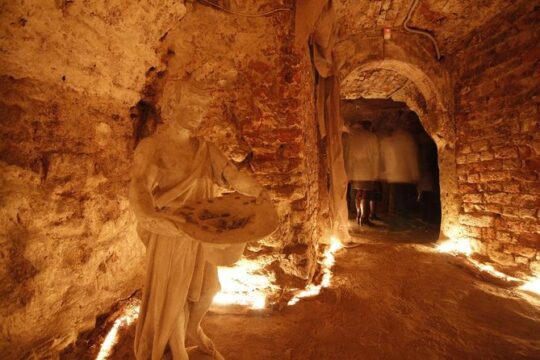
<point x="69" y="73"/>
<point x="68" y="248"/>
<point x="498" y="136"/>
<point x="261" y="112"/>
<point x="95" y="47"/>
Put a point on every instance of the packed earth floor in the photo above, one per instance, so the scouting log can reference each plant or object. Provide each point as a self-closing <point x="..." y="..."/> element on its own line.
<point x="392" y="297"/>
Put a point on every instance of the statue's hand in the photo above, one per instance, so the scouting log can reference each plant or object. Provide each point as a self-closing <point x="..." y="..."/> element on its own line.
<point x="263" y="197"/>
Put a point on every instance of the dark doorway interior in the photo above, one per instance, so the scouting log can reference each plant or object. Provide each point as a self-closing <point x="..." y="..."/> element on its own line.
<point x="397" y="204"/>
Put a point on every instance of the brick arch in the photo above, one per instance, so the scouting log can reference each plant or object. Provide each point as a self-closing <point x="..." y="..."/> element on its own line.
<point x="431" y="81"/>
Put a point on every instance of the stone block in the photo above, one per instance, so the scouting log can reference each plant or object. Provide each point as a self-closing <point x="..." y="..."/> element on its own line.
<point x="523" y="175"/>
<point x="505" y="152"/>
<point x="532" y="163"/>
<point x="472" y="198"/>
<point x="488" y="233"/>
<point x="492" y="208"/>
<point x="524" y="151"/>
<point x="531" y="240"/>
<point x="480" y="145"/>
<point x="467" y="188"/>
<point x="473" y="178"/>
<point x="526" y="200"/>
<point x="472" y="208"/>
<point x="486" y="155"/>
<point x="521" y="250"/>
<point x="491" y="187"/>
<point x="510" y="211"/>
<point x="487" y="176"/>
<point x="472" y="231"/>
<point x="502" y="258"/>
<point x="504" y="237"/>
<point x="522" y="260"/>
<point x="498" y="198"/>
<point x="476" y="220"/>
<point x="528" y="213"/>
<point x="473" y="157"/>
<point x="512" y="187"/>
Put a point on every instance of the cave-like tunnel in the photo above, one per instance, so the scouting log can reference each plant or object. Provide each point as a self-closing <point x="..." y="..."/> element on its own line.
<point x="169" y="166"/>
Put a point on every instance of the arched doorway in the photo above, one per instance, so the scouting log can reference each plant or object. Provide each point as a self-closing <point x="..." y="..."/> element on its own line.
<point x="425" y="93"/>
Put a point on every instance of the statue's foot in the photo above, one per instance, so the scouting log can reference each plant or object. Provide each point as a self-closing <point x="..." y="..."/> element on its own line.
<point x="196" y="354"/>
<point x="205" y="345"/>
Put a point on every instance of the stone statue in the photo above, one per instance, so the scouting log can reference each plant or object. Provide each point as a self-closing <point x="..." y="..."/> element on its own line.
<point x="171" y="168"/>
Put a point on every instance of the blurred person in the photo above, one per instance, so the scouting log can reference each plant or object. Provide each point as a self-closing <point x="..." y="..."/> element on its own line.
<point x="362" y="165"/>
<point x="399" y="155"/>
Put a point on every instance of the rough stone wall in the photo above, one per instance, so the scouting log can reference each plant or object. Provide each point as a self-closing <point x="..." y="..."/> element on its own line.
<point x="498" y="139"/>
<point x="94" y="47"/>
<point x="68" y="250"/>
<point x="69" y="73"/>
<point x="261" y="114"/>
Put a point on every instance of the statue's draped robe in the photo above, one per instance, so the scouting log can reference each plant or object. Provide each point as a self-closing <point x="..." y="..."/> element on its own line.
<point x="177" y="275"/>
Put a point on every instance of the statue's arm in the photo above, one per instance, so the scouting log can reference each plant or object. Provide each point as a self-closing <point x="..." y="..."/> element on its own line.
<point x="143" y="176"/>
<point x="227" y="174"/>
<point x="242" y="181"/>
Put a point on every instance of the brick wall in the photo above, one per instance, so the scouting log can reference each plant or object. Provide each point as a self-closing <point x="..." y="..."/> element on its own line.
<point x="497" y="76"/>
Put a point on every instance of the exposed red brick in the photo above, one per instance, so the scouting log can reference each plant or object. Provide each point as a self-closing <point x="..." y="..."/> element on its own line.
<point x="497" y="125"/>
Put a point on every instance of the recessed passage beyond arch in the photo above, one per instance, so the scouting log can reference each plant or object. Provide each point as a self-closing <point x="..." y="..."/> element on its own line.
<point x="422" y="93"/>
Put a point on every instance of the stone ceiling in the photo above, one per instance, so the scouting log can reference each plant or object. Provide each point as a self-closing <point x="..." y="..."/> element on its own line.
<point x="448" y="20"/>
<point x="383" y="84"/>
<point x="372" y="84"/>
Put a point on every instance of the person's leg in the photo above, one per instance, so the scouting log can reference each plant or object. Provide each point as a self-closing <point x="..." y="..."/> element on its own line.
<point x="364" y="206"/>
<point x="373" y="210"/>
<point x="364" y="213"/>
<point x="374" y="201"/>
<point x="392" y="192"/>
<point x="358" y="202"/>
<point x="351" y="201"/>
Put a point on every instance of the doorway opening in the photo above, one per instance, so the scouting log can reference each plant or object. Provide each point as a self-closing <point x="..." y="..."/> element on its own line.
<point x="403" y="203"/>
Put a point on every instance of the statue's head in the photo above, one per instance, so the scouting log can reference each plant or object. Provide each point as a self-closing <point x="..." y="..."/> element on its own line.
<point x="187" y="98"/>
<point x="192" y="106"/>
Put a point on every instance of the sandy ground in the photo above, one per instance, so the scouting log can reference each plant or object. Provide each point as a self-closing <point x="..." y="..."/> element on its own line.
<point x="392" y="297"/>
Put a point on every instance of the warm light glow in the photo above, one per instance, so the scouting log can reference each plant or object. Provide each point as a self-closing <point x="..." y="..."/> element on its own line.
<point x="459" y="245"/>
<point x="532" y="285"/>
<point x="492" y="271"/>
<point x="243" y="284"/>
<point x="128" y="316"/>
<point x="327" y="263"/>
<point x="456" y="246"/>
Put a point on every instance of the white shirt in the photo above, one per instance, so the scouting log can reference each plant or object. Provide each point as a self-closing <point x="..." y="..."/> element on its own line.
<point x="362" y="156"/>
<point x="399" y="155"/>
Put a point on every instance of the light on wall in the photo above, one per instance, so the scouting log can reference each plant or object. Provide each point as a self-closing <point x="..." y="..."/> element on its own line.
<point x="387" y="33"/>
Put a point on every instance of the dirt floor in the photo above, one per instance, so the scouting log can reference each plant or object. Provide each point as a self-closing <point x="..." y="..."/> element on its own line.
<point x="392" y="297"/>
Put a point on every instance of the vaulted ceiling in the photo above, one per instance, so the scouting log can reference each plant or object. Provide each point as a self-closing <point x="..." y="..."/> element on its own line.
<point x="448" y="20"/>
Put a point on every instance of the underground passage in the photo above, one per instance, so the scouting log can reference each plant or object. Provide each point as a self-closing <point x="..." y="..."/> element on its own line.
<point x="285" y="179"/>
